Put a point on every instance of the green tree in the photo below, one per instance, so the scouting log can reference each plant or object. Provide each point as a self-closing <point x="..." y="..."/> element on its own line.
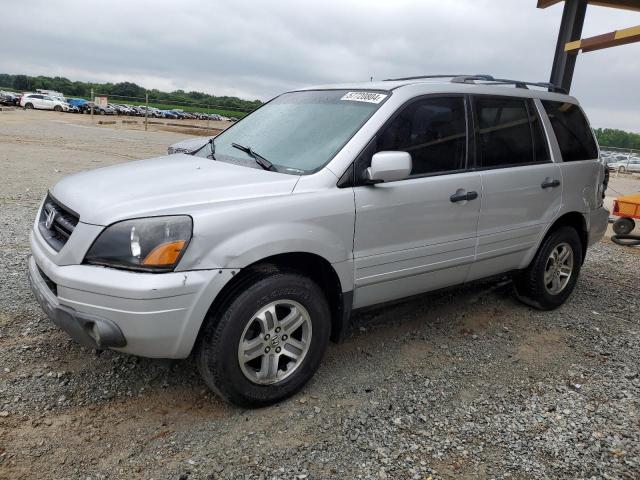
<point x="609" y="137"/>
<point x="21" y="82"/>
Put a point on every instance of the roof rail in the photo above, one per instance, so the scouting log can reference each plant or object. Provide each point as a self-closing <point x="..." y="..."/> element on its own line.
<point x="484" y="78"/>
<point x="504" y="81"/>
<point x="418" y="77"/>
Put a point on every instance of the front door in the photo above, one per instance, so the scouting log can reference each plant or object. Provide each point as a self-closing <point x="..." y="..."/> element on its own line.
<point x="47" y="102"/>
<point x="417" y="234"/>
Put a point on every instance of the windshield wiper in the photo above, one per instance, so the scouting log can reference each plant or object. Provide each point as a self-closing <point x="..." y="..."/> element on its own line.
<point x="260" y="160"/>
<point x="212" y="144"/>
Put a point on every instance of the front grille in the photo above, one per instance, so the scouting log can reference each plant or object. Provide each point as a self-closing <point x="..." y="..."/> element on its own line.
<point x="56" y="223"/>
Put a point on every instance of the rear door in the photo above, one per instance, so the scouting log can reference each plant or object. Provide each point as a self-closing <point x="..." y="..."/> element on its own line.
<point x="35" y="100"/>
<point x="521" y="186"/>
<point x="417" y="234"/>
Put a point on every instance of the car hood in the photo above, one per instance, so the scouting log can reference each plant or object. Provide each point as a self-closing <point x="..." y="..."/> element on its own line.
<point x="176" y="184"/>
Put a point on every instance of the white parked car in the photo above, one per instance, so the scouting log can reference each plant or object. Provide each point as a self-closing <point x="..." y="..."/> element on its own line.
<point x="42" y="102"/>
<point x="624" y="166"/>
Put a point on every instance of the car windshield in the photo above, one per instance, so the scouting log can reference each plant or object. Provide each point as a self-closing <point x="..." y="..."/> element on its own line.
<point x="298" y="132"/>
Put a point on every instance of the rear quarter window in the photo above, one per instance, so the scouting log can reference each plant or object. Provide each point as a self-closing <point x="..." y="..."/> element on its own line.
<point x="572" y="130"/>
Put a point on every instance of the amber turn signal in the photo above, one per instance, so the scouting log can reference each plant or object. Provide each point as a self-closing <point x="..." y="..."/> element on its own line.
<point x="165" y="254"/>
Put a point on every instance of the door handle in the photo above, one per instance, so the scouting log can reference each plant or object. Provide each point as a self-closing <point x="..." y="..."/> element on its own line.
<point x="461" y="197"/>
<point x="550" y="183"/>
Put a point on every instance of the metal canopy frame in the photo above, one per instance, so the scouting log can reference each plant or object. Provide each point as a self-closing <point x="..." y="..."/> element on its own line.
<point x="569" y="42"/>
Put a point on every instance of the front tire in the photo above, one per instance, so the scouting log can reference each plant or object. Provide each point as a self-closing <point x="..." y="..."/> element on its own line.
<point x="57" y="108"/>
<point x="552" y="275"/>
<point x="29" y="106"/>
<point x="266" y="341"/>
<point x="622" y="170"/>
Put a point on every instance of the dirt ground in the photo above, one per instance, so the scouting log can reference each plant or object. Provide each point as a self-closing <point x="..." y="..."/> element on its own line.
<point x="465" y="383"/>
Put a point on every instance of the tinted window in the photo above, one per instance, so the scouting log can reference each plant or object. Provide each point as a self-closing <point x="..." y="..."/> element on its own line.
<point x="572" y="131"/>
<point x="433" y="131"/>
<point x="504" y="133"/>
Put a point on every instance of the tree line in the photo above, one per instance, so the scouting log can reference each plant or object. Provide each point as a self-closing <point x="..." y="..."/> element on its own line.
<point x="123" y="89"/>
<point x="610" y="137"/>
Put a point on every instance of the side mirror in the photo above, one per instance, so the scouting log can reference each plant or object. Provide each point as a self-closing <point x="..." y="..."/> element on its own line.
<point x="389" y="167"/>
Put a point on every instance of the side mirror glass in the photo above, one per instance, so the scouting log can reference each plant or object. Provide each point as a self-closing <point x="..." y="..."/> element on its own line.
<point x="389" y="167"/>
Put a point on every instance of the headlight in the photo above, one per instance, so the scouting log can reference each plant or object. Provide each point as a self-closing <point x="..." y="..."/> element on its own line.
<point x="154" y="244"/>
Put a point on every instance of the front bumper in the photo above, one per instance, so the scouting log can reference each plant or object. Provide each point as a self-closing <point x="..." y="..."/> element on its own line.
<point x="88" y="330"/>
<point x="151" y="315"/>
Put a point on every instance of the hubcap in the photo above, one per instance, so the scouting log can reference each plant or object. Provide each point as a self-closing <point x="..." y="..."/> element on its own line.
<point x="559" y="269"/>
<point x="274" y="342"/>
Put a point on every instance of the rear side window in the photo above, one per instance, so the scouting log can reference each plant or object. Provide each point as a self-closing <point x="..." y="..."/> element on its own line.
<point x="508" y="133"/>
<point x="433" y="131"/>
<point x="572" y="131"/>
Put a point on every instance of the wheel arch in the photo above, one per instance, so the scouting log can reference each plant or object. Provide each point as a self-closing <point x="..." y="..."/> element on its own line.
<point x="314" y="266"/>
<point x="575" y="220"/>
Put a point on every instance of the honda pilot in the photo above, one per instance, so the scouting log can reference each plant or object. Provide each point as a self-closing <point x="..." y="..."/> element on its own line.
<point x="251" y="252"/>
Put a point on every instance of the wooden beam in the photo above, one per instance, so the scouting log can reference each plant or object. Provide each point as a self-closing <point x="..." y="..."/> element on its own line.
<point x="547" y="3"/>
<point x="622" y="4"/>
<point x="606" y="40"/>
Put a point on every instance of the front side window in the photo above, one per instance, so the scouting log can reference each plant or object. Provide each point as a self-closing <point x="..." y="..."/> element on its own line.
<point x="572" y="131"/>
<point x="433" y="131"/>
<point x="298" y="132"/>
<point x="508" y="133"/>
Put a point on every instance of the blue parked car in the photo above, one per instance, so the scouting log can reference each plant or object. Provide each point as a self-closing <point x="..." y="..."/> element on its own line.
<point x="76" y="102"/>
<point x="168" y="114"/>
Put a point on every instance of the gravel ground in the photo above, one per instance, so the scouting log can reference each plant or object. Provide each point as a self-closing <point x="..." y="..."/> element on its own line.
<point x="465" y="383"/>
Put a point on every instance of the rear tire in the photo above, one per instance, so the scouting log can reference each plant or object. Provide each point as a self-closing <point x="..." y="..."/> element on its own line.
<point x="258" y="320"/>
<point x="552" y="275"/>
<point x="624" y="226"/>
<point x="622" y="170"/>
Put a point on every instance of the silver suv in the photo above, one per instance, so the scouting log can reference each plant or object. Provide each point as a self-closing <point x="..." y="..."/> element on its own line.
<point x="252" y="252"/>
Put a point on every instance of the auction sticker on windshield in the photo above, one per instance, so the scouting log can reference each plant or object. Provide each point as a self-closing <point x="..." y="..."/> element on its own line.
<point x="369" y="97"/>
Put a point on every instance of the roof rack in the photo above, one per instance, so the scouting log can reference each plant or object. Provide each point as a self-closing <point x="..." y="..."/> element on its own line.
<point x="418" y="77"/>
<point x="485" y="78"/>
<point x="504" y="81"/>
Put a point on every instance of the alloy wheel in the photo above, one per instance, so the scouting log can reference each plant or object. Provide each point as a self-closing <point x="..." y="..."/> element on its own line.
<point x="558" y="269"/>
<point x="275" y="342"/>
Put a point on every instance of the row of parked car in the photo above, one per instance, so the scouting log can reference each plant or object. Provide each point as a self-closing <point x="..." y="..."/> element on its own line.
<point x="44" y="101"/>
<point x="621" y="162"/>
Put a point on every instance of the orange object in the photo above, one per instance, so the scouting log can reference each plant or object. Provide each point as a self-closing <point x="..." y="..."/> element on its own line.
<point x="627" y="206"/>
<point x="165" y="254"/>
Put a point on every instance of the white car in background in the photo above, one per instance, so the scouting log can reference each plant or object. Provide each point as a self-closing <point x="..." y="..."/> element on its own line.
<point x="625" y="166"/>
<point x="42" y="102"/>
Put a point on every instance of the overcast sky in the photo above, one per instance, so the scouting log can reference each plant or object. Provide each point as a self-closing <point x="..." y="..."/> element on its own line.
<point x="259" y="48"/>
